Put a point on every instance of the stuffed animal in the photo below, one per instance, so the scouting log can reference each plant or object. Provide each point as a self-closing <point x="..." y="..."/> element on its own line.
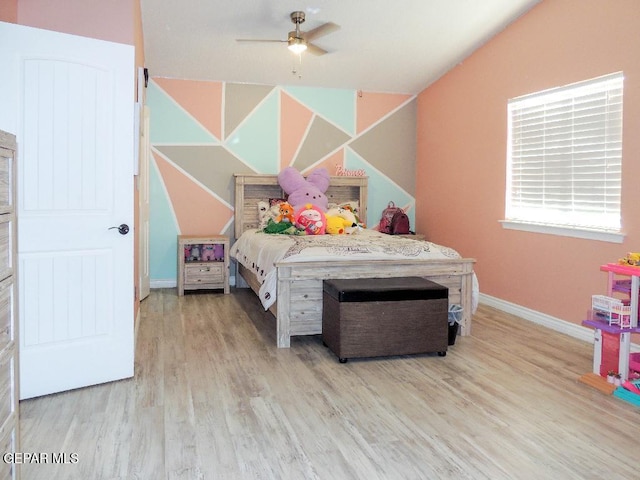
<point x="302" y="191"/>
<point x="343" y="213"/>
<point x="262" y="209"/>
<point x="195" y="253"/>
<point x="218" y="252"/>
<point x="632" y="259"/>
<point x="311" y="219"/>
<point x="336" y="225"/>
<point x="187" y="252"/>
<point x="266" y="213"/>
<point x="352" y="221"/>
<point x="286" y="213"/>
<point x="207" y="253"/>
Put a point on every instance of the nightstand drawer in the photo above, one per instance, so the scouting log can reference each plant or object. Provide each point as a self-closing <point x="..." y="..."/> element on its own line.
<point x="211" y="272"/>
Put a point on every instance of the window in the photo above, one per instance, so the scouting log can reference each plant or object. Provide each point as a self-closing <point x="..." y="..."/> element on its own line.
<point x="564" y="159"/>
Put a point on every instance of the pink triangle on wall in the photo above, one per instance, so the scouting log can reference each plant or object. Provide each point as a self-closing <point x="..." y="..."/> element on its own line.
<point x="192" y="204"/>
<point x="202" y="100"/>
<point x="371" y="107"/>
<point x="294" y="121"/>
<point x="331" y="163"/>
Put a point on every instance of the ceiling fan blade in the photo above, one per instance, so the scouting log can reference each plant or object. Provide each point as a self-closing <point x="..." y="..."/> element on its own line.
<point x="324" y="29"/>
<point x="315" y="50"/>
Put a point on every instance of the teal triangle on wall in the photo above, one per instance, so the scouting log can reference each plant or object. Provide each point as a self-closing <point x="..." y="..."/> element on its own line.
<point x="255" y="141"/>
<point x="163" y="231"/>
<point x="336" y="105"/>
<point x="170" y="124"/>
<point x="381" y="190"/>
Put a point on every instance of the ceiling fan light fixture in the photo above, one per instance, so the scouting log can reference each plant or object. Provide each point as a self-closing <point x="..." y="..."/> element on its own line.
<point x="297" y="45"/>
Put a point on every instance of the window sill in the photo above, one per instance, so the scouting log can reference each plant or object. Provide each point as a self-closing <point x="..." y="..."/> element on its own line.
<point x="600" y="235"/>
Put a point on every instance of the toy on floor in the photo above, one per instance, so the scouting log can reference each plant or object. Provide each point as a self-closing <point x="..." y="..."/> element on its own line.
<point x="632" y="387"/>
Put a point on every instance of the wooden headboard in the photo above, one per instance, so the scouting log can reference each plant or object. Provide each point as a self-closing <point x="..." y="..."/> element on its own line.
<point x="251" y="188"/>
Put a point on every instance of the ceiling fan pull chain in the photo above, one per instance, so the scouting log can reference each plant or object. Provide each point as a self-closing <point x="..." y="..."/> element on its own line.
<point x="297" y="66"/>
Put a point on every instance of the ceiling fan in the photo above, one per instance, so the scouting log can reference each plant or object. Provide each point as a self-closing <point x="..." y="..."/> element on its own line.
<point x="299" y="41"/>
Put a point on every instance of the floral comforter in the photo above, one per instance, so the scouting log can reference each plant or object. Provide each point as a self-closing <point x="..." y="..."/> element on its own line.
<point x="259" y="252"/>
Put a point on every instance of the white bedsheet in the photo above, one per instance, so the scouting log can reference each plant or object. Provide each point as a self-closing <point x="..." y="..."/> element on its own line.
<point x="259" y="252"/>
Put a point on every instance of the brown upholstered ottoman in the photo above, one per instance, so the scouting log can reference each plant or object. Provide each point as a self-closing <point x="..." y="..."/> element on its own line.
<point x="373" y="317"/>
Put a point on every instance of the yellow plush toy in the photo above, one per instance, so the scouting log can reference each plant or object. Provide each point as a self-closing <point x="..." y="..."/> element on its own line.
<point x="336" y="225"/>
<point x="631" y="259"/>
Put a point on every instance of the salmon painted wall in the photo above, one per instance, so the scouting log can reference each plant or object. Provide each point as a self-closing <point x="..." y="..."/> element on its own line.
<point x="461" y="152"/>
<point x="204" y="132"/>
<point x="112" y="20"/>
<point x="9" y="11"/>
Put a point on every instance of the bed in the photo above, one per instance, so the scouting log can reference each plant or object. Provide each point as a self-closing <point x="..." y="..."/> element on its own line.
<point x="297" y="305"/>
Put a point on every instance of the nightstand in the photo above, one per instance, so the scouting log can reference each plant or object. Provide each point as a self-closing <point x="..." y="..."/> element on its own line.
<point x="203" y="262"/>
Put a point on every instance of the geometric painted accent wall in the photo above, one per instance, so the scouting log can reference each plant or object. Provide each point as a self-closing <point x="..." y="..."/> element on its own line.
<point x="201" y="133"/>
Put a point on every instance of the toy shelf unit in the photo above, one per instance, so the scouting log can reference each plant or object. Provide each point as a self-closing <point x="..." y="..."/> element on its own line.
<point x="203" y="263"/>
<point x="614" y="319"/>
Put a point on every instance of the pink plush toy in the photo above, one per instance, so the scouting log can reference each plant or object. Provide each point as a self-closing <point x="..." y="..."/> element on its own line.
<point x="302" y="191"/>
<point x="312" y="219"/>
<point x="207" y="253"/>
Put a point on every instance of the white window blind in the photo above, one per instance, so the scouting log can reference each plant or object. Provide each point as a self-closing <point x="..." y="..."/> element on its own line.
<point x="564" y="156"/>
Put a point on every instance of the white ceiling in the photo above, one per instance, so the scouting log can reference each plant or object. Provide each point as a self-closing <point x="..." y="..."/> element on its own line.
<point x="388" y="46"/>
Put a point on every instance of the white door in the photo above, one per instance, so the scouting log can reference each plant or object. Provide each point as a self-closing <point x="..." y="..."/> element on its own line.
<point x="69" y="100"/>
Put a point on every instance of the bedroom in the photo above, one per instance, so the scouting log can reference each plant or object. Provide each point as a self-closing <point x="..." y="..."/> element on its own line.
<point x="465" y="178"/>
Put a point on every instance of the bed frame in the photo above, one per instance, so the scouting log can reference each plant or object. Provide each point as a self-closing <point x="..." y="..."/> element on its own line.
<point x="298" y="307"/>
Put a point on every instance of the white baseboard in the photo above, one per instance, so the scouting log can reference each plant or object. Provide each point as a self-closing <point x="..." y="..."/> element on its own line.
<point x="554" y="323"/>
<point x="173" y="283"/>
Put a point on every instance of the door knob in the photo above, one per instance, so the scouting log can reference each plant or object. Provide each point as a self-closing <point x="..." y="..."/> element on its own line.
<point x="123" y="229"/>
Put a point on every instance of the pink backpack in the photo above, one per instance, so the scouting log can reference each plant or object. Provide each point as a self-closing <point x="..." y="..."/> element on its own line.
<point x="400" y="223"/>
<point x="394" y="221"/>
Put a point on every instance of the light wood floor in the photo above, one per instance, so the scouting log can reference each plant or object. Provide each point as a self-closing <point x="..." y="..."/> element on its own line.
<point x="213" y="398"/>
